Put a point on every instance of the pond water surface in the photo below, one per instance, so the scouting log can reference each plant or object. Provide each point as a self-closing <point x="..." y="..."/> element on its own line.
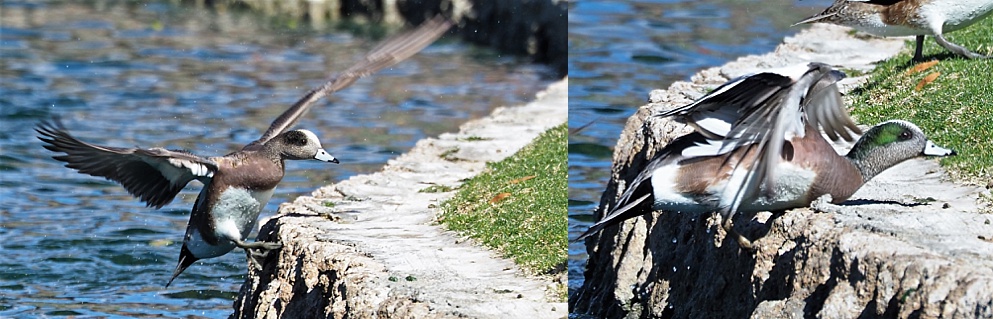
<point x="153" y="74"/>
<point x="620" y="50"/>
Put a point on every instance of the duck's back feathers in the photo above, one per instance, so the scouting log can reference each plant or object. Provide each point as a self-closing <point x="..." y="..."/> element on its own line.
<point x="153" y="175"/>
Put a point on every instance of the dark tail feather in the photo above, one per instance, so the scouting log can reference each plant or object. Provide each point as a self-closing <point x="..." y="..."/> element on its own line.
<point x="186" y="259"/>
<point x="615" y="217"/>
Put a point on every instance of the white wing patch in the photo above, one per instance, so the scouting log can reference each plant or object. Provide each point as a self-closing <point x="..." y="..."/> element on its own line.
<point x="711" y="148"/>
<point x="194" y="168"/>
<point x="715" y="122"/>
<point x="794" y="71"/>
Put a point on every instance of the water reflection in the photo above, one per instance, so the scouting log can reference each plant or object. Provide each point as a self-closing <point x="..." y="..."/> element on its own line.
<point x="153" y="74"/>
<point x="620" y="50"/>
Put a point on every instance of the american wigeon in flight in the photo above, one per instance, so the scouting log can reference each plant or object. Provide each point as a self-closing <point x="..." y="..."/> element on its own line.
<point x="757" y="146"/>
<point x="890" y="18"/>
<point x="237" y="185"/>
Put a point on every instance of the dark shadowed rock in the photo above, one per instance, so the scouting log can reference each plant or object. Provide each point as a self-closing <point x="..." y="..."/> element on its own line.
<point x="533" y="28"/>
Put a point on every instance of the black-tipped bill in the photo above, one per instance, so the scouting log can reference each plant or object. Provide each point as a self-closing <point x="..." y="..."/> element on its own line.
<point x="935" y="150"/>
<point x="323" y="155"/>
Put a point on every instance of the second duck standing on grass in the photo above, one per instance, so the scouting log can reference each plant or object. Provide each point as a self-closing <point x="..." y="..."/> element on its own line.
<point x="757" y="146"/>
<point x="238" y="185"/>
<point x="891" y="18"/>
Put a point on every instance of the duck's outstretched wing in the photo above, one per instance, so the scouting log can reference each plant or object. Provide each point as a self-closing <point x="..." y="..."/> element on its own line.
<point x="390" y="52"/>
<point x="153" y="175"/>
<point x="750" y="101"/>
<point x="713" y="114"/>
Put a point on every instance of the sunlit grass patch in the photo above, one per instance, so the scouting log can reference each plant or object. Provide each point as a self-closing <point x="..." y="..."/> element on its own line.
<point x="518" y="205"/>
<point x="952" y="101"/>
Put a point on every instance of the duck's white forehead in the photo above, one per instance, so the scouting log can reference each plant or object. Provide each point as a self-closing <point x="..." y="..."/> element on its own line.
<point x="311" y="136"/>
<point x="904" y="124"/>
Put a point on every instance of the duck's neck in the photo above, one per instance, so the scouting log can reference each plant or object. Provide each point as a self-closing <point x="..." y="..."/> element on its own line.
<point x="870" y="161"/>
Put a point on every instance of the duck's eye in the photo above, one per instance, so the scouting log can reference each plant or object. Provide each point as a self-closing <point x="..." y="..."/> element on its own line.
<point x="906" y="135"/>
<point x="297" y="138"/>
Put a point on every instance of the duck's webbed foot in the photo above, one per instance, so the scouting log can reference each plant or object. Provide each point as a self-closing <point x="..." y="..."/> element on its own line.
<point x="258" y="251"/>
<point x="742" y="241"/>
<point x="958" y="49"/>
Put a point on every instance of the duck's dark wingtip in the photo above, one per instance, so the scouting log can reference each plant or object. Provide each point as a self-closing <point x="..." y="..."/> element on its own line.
<point x="589" y="232"/>
<point x="813" y="18"/>
<point x="50" y="129"/>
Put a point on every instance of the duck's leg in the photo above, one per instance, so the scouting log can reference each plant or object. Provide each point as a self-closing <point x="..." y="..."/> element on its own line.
<point x="957" y="49"/>
<point x="742" y="241"/>
<point x="257" y="251"/>
<point x="919" y="49"/>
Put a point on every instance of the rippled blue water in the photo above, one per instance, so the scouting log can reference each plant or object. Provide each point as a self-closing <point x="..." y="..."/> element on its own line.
<point x="621" y="50"/>
<point x="153" y="74"/>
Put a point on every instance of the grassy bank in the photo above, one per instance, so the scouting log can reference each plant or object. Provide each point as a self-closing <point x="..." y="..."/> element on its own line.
<point x="518" y="205"/>
<point x="951" y="100"/>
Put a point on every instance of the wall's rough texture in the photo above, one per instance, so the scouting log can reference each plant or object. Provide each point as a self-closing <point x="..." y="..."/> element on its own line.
<point x="909" y="244"/>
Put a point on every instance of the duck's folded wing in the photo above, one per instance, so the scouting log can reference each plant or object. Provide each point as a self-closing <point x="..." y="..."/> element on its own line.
<point x="390" y="52"/>
<point x="154" y="175"/>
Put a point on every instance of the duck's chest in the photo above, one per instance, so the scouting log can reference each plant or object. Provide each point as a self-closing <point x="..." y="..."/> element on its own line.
<point x="957" y="14"/>
<point x="708" y="193"/>
<point x="242" y="192"/>
<point x="240" y="203"/>
<point x="252" y="173"/>
<point x="232" y="216"/>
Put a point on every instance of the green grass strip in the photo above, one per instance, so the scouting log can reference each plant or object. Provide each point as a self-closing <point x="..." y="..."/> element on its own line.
<point x="518" y="205"/>
<point x="955" y="110"/>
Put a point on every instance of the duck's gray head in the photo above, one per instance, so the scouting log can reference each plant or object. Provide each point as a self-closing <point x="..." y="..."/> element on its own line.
<point x="890" y="143"/>
<point x="300" y="145"/>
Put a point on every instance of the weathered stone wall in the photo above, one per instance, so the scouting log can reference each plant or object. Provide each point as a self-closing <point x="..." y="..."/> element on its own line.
<point x="909" y="244"/>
